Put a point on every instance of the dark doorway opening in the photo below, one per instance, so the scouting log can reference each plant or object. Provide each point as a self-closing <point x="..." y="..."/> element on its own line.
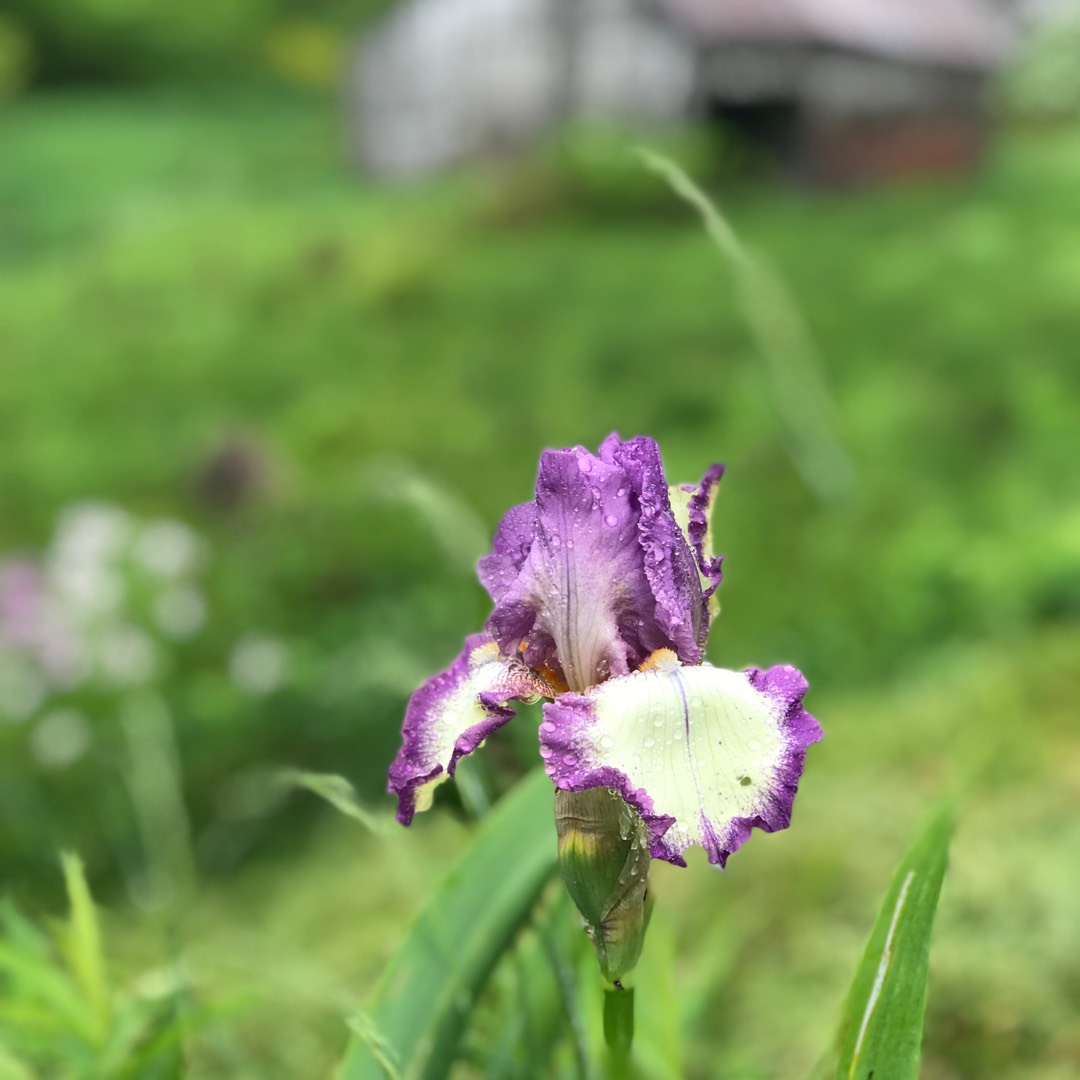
<point x="759" y="133"/>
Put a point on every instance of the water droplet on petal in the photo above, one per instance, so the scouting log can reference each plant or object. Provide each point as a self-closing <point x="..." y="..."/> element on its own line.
<point x="607" y="742"/>
<point x="569" y="543"/>
<point x="546" y="751"/>
<point x="649" y="743"/>
<point x="611" y="521"/>
<point x="754" y="744"/>
<point x="547" y="725"/>
<point x="621" y="492"/>
<point x="569" y="759"/>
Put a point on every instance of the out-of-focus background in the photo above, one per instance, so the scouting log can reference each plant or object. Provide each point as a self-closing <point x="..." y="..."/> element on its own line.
<point x="292" y="294"/>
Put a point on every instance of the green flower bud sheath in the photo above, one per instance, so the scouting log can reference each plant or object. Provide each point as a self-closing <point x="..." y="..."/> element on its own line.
<point x="604" y="860"/>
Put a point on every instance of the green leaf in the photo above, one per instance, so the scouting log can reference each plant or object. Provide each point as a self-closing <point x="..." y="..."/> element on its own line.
<point x="50" y="993"/>
<point x="540" y="1026"/>
<point x="82" y="946"/>
<point x="881" y="1029"/>
<point x="423" y="1001"/>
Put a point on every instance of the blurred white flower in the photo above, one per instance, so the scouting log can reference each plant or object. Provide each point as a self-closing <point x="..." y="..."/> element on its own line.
<point x="60" y="738"/>
<point x="180" y="611"/>
<point x="90" y="533"/>
<point x="88" y="590"/>
<point x="257" y="664"/>
<point x="168" y="549"/>
<point x="22" y="691"/>
<point x="126" y="656"/>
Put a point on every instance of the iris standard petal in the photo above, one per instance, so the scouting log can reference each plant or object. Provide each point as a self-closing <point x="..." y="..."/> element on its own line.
<point x="692" y="506"/>
<point x="609" y="577"/>
<point x="703" y="753"/>
<point x="669" y="563"/>
<point x="452" y="714"/>
<point x="509" y="550"/>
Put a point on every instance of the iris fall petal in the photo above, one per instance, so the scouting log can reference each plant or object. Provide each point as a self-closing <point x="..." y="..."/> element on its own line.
<point x="703" y="753"/>
<point x="452" y="714"/>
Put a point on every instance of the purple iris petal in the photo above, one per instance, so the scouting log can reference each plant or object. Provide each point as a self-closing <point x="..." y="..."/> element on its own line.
<point x="669" y="563"/>
<point x="452" y="714"/>
<point x="608" y="577"/>
<point x="700" y="505"/>
<point x="509" y="550"/>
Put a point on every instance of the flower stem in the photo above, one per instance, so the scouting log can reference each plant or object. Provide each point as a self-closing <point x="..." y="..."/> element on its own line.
<point x="619" y="1028"/>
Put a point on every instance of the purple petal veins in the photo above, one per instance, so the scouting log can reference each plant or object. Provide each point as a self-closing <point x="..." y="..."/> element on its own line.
<point x="608" y="577"/>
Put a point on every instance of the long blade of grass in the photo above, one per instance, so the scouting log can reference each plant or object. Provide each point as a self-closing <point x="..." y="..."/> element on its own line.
<point x="799" y="393"/>
<point x="881" y="1028"/>
<point x="339" y="793"/>
<point x="421" y="1006"/>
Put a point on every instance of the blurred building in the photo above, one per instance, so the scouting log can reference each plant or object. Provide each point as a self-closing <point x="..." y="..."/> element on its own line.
<point x="839" y="91"/>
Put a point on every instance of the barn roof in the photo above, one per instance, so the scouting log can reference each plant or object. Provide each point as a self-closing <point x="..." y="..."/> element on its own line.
<point x="954" y="33"/>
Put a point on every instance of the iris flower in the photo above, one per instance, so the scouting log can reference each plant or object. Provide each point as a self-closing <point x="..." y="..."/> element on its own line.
<point x="603" y="587"/>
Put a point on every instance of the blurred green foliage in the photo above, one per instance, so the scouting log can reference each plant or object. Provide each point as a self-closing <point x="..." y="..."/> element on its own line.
<point x="1044" y="80"/>
<point x="184" y="286"/>
<point x="203" y="315"/>
<point x="147" y="41"/>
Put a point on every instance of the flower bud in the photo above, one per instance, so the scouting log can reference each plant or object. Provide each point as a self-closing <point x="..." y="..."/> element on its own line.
<point x="604" y="859"/>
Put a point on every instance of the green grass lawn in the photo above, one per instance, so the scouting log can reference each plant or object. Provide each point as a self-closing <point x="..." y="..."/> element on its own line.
<point x="177" y="275"/>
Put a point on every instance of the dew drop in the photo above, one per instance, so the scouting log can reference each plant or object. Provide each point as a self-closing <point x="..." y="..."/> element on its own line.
<point x="754" y="744"/>
<point x="607" y="742"/>
<point x="621" y="492"/>
<point x="649" y="743"/>
<point x="586" y="464"/>
<point x="547" y="725"/>
<point x="569" y="759"/>
<point x="695" y="703"/>
<point x="569" y="544"/>
<point x="611" y="521"/>
<point x="659" y="722"/>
